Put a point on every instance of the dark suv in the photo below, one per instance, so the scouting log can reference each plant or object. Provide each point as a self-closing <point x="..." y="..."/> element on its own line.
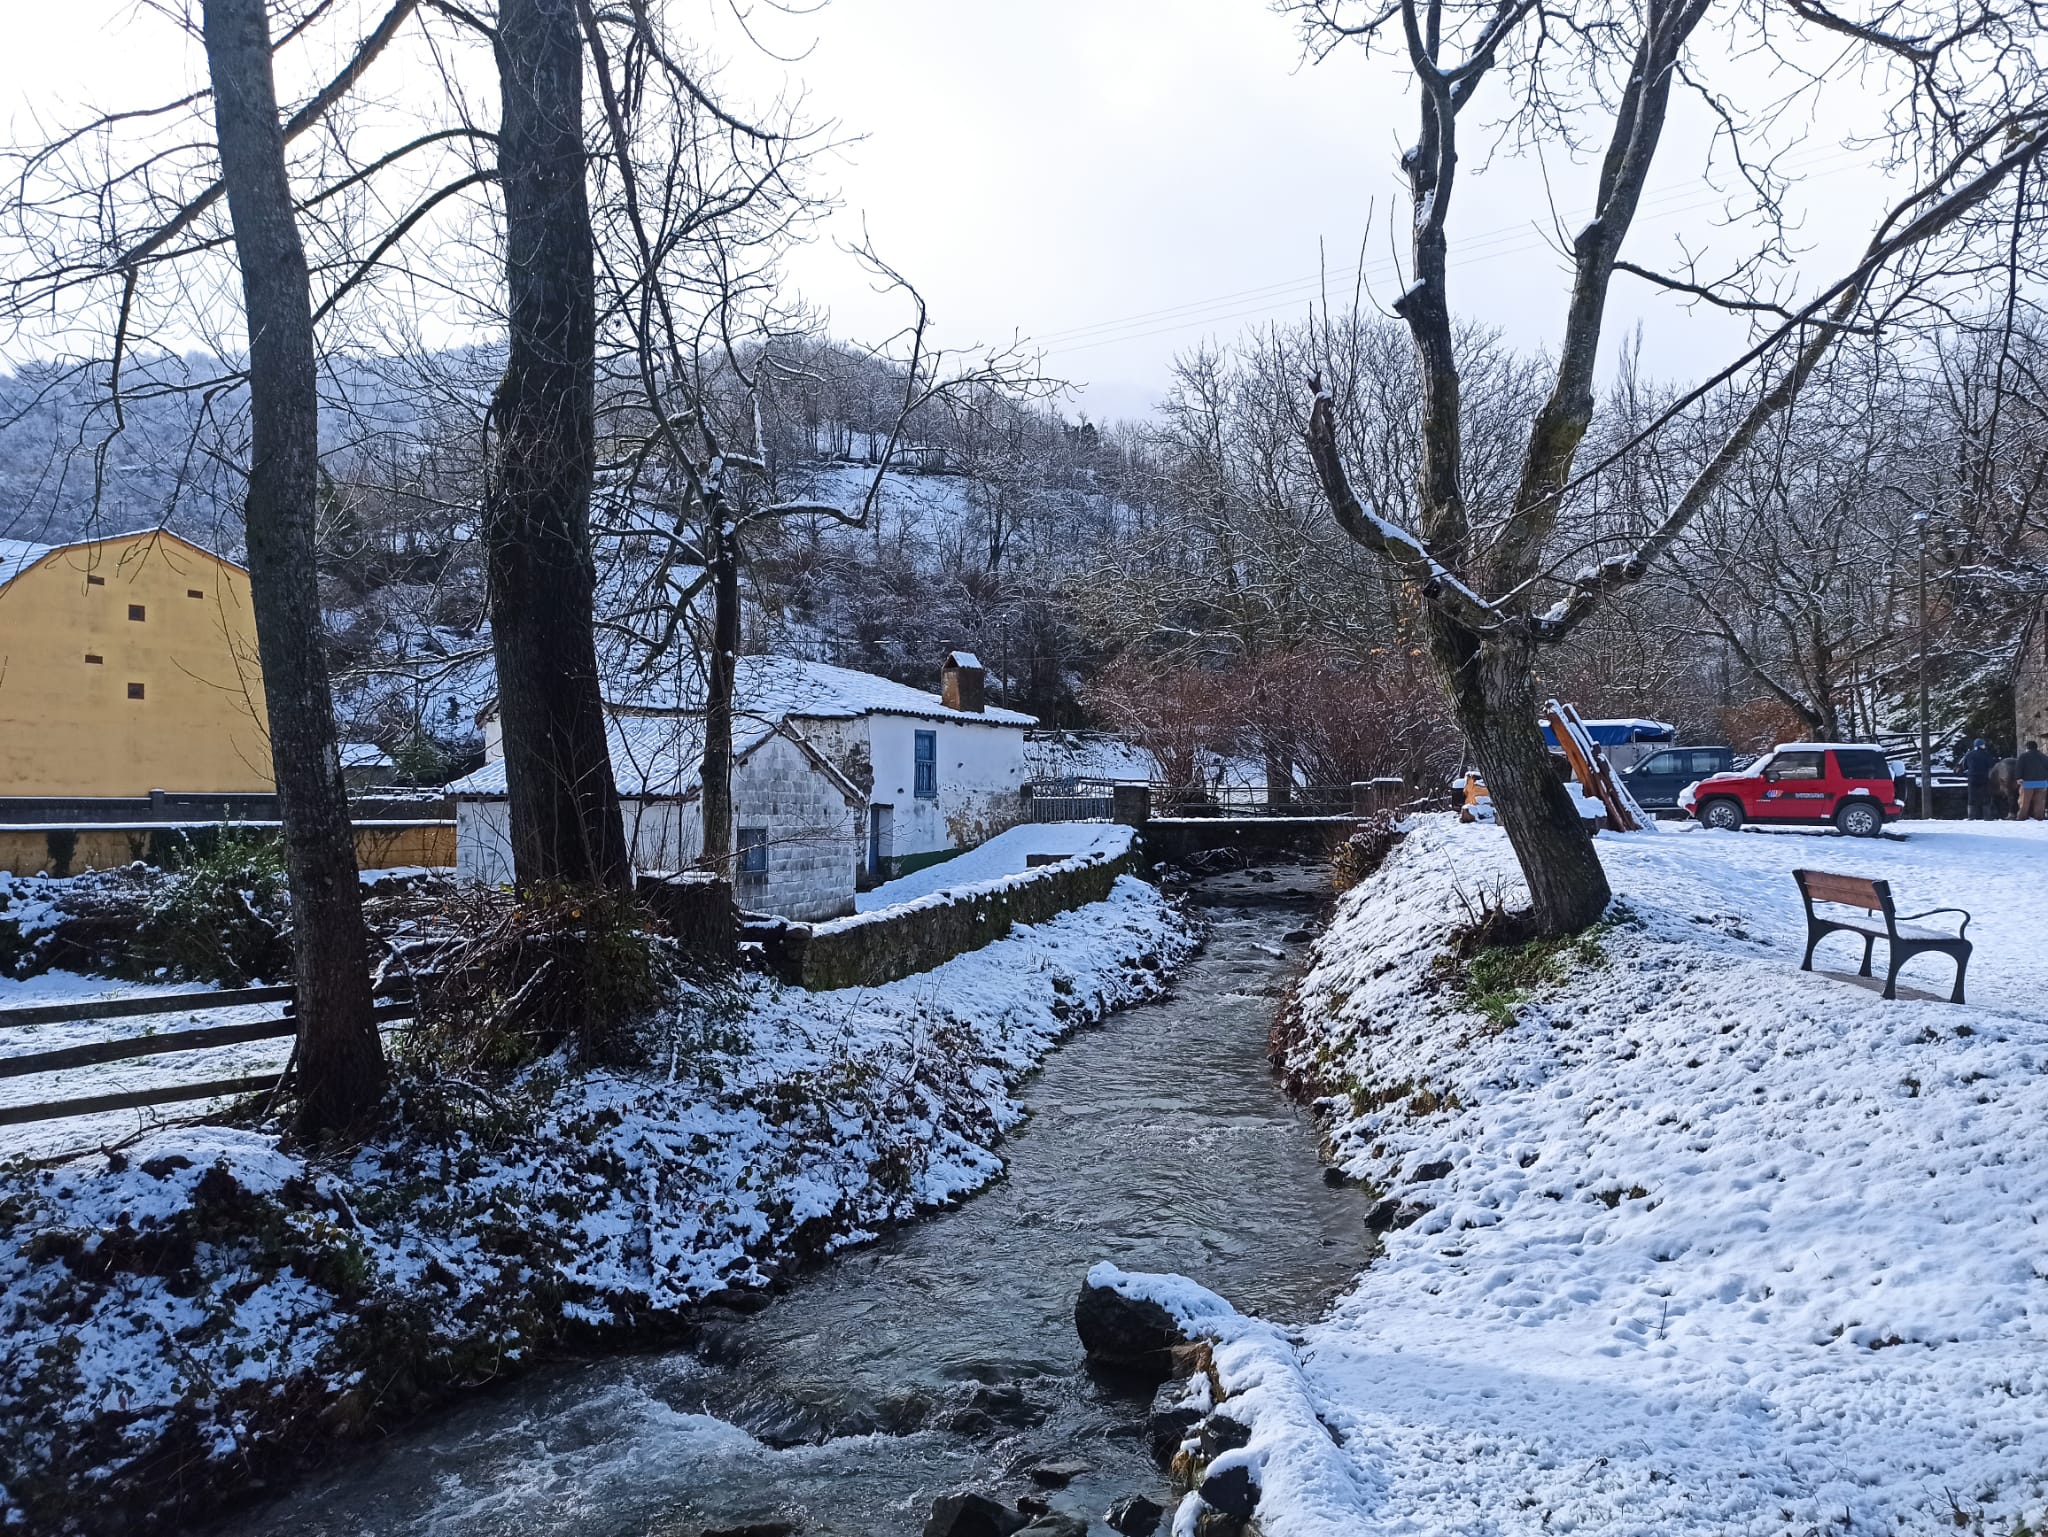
<point x="1656" y="781"/>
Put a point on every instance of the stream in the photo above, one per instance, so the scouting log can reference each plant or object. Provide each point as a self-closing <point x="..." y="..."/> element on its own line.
<point x="942" y="1357"/>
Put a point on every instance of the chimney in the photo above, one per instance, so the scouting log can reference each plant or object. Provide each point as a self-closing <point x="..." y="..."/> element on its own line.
<point x="960" y="682"/>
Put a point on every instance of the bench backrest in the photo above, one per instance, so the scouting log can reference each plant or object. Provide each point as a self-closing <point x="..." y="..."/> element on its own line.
<point x="1849" y="890"/>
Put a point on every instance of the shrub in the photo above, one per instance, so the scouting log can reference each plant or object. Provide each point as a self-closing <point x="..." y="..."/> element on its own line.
<point x="223" y="916"/>
<point x="520" y="976"/>
<point x="1361" y="854"/>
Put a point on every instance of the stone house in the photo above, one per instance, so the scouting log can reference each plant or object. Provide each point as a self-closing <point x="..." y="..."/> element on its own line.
<point x="796" y="817"/>
<point x="937" y="772"/>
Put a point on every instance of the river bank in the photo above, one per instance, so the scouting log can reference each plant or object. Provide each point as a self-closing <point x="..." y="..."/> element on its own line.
<point x="200" y="1314"/>
<point x="942" y="1357"/>
<point x="1678" y="1237"/>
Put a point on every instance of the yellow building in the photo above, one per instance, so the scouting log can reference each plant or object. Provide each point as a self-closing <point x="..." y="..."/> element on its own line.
<point x="128" y="664"/>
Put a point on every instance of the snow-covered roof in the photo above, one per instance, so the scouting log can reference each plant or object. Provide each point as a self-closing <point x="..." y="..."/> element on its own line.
<point x="17" y="555"/>
<point x="779" y="687"/>
<point x="653" y="758"/>
<point x="962" y="659"/>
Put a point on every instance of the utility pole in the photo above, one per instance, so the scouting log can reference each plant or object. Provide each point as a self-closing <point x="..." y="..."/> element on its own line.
<point x="1926" y="742"/>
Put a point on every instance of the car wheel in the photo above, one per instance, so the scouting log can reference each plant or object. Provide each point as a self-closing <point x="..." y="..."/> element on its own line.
<point x="1860" y="819"/>
<point x="1721" y="813"/>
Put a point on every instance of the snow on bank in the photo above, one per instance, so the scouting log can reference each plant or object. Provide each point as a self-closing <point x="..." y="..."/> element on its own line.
<point x="1008" y="853"/>
<point x="1704" y="1244"/>
<point x="206" y="1301"/>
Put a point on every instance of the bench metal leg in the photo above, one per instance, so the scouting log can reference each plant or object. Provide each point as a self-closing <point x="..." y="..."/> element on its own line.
<point x="1962" y="967"/>
<point x="1813" y="937"/>
<point x="1869" y="941"/>
<point x="1891" y="979"/>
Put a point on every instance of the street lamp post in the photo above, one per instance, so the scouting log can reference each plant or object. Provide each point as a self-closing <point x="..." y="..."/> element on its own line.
<point x="1926" y="739"/>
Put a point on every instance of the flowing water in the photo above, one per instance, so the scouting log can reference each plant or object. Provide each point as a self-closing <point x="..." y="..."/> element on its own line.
<point x="942" y="1357"/>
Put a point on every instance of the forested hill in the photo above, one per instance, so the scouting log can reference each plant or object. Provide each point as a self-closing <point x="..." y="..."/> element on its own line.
<point x="72" y="464"/>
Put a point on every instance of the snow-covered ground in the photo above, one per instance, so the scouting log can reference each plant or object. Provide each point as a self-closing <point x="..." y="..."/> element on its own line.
<point x="1008" y="853"/>
<point x="205" y="1293"/>
<point x="1710" y="1245"/>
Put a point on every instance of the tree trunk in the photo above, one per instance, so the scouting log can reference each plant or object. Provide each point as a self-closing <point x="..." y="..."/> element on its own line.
<point x="1492" y="688"/>
<point x="340" y="1058"/>
<point x="725" y="646"/>
<point x="566" y="828"/>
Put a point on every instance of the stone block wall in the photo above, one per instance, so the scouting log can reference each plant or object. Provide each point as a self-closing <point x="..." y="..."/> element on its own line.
<point x="886" y="946"/>
<point x="814" y="842"/>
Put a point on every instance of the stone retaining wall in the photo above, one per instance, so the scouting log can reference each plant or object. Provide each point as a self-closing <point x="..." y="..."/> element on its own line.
<point x="897" y="942"/>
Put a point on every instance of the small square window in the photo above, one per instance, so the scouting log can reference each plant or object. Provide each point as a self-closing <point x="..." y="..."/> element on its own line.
<point x="135" y="691"/>
<point x="95" y="581"/>
<point x="94" y="660"/>
<point x="753" y="843"/>
<point x="137" y="612"/>
<point x="194" y="592"/>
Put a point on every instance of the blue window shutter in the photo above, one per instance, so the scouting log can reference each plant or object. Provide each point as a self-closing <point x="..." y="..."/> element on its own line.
<point x="927" y="786"/>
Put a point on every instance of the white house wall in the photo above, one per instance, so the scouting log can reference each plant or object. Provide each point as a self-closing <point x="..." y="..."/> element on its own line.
<point x="814" y="839"/>
<point x="483" y="841"/>
<point x="981" y="776"/>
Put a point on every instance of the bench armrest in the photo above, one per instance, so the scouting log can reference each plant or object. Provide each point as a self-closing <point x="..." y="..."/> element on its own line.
<point x="1933" y="912"/>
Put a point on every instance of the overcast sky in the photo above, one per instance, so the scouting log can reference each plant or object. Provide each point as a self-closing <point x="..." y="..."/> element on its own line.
<point x="1116" y="180"/>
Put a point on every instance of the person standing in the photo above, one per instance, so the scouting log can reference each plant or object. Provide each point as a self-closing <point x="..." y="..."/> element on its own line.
<point x="2033" y="768"/>
<point x="1977" y="765"/>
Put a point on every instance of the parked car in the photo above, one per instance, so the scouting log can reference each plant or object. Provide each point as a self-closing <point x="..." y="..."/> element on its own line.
<point x="1659" y="779"/>
<point x="1811" y="783"/>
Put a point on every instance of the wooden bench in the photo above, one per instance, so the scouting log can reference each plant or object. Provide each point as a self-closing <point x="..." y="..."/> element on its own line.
<point x="1899" y="930"/>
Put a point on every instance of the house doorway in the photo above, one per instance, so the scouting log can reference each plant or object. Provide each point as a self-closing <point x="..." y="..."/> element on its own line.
<point x="879" y="818"/>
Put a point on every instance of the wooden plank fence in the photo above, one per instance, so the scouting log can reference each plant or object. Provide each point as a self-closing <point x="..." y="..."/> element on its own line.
<point x="393" y="1001"/>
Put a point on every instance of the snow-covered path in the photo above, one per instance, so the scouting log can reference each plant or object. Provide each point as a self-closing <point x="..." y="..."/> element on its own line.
<point x="1723" y="1247"/>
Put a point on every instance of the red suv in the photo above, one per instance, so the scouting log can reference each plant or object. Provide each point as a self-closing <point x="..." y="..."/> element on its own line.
<point x="1809" y="782"/>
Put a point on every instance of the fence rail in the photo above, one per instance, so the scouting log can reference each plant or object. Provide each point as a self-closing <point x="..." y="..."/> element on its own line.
<point x="392" y="1002"/>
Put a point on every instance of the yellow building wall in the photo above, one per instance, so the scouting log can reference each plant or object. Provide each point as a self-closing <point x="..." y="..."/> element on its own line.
<point x="68" y="726"/>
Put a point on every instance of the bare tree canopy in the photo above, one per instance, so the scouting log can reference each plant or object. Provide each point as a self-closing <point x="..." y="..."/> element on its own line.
<point x="1964" y="117"/>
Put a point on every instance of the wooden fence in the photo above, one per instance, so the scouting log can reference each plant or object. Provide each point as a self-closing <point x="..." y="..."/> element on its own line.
<point x="392" y="1002"/>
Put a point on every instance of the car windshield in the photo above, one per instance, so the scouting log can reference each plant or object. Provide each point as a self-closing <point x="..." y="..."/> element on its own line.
<point x="1863" y="763"/>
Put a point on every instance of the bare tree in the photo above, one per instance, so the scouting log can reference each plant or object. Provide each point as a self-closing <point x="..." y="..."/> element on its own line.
<point x="1969" y="110"/>
<point x="566" y="826"/>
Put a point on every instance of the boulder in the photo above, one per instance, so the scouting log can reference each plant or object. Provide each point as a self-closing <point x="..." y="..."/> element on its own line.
<point x="1127" y="1336"/>
<point x="1393" y="1213"/>
<point x="971" y="1515"/>
<point x="1055" y="1475"/>
<point x="1135" y="1516"/>
<point x="1220" y="1434"/>
<point x="1232" y="1491"/>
